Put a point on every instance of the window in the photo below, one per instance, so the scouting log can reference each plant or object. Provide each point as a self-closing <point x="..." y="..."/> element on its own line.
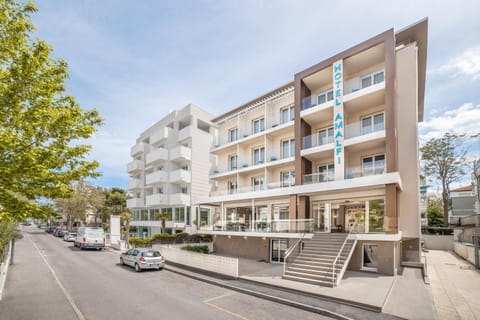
<point x="325" y="96"/>
<point x="288" y="148"/>
<point x="257" y="183"/>
<point x="287" y="114"/>
<point x="376" y="215"/>
<point x="184" y="190"/>
<point x="372" y="78"/>
<point x="325" y="136"/>
<point x="185" y="167"/>
<point x="258" y="125"/>
<point x="232" y="162"/>
<point x="373" y="123"/>
<point x="326" y="173"/>
<point x="232" y="187"/>
<point x="373" y="165"/>
<point x="160" y="190"/>
<point x="232" y="135"/>
<point x="258" y="155"/>
<point x="287" y="178"/>
<point x="180" y="214"/>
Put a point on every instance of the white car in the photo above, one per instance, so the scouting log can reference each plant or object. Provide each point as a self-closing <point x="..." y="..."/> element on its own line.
<point x="69" y="236"/>
<point x="90" y="237"/>
<point x="143" y="258"/>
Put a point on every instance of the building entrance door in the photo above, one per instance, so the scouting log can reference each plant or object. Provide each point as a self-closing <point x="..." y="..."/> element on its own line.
<point x="278" y="248"/>
<point x="321" y="217"/>
<point x="355" y="218"/>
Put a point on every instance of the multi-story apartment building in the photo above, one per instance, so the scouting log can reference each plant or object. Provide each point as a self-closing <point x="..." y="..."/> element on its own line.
<point x="164" y="179"/>
<point x="331" y="157"/>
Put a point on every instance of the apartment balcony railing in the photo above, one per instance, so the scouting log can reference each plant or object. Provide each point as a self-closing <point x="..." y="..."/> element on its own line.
<point x="135" y="203"/>
<point x="357" y="172"/>
<point x="156" y="177"/>
<point x="356" y="129"/>
<point x="157" y="155"/>
<point x="269" y="186"/>
<point x="185" y="133"/>
<point x="134" y="184"/>
<point x="180" y="175"/>
<point x="135" y="166"/>
<point x="263" y="226"/>
<point x="156" y="199"/>
<point x="318" y="178"/>
<point x="160" y="136"/>
<point x="181" y="153"/>
<point x="179" y="198"/>
<point x="315" y="140"/>
<point x="138" y="149"/>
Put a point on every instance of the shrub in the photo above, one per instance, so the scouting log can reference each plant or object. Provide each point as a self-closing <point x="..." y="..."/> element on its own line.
<point x="199" y="249"/>
<point x="139" y="242"/>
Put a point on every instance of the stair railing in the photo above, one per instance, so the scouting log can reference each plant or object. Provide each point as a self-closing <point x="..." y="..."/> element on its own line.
<point x="334" y="266"/>
<point x="297" y="245"/>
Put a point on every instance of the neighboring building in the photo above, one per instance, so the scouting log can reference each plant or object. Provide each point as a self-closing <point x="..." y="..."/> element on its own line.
<point x="423" y="201"/>
<point x="164" y="177"/>
<point x="334" y="151"/>
<point x="463" y="203"/>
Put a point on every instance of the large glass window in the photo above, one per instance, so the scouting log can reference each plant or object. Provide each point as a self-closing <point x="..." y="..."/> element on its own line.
<point x="373" y="123"/>
<point x="258" y="125"/>
<point x="232" y="162"/>
<point x="287" y="114"/>
<point x="258" y="183"/>
<point x="168" y="212"/>
<point x="180" y="214"/>
<point x="279" y="247"/>
<point x="232" y="187"/>
<point x="232" y="135"/>
<point x="204" y="216"/>
<point x="325" y="96"/>
<point x="372" y="78"/>
<point x="376" y="215"/>
<point x="326" y="173"/>
<point x="258" y="155"/>
<point x="373" y="165"/>
<point x="288" y="148"/>
<point x="325" y="136"/>
<point x="287" y="178"/>
<point x="280" y="211"/>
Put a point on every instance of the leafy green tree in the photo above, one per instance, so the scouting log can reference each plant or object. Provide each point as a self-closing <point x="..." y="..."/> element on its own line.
<point x="115" y="202"/>
<point x="435" y="214"/>
<point x="125" y="218"/>
<point x="445" y="163"/>
<point x="41" y="126"/>
<point x="163" y="217"/>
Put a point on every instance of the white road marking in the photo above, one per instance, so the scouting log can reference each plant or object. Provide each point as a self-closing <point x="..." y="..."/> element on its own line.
<point x="218" y="297"/>
<point x="79" y="314"/>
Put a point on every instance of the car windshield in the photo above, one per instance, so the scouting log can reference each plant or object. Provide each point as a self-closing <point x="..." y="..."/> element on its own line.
<point x="151" y="254"/>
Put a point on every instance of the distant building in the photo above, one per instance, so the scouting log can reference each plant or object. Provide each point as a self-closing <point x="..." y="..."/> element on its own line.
<point x="463" y="203"/>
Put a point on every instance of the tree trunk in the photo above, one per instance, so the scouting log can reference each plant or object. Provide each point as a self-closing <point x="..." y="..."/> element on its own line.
<point x="127" y="234"/>
<point x="445" y="208"/>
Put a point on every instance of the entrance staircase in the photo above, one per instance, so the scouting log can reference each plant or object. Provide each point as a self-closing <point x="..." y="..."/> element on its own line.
<point x="321" y="260"/>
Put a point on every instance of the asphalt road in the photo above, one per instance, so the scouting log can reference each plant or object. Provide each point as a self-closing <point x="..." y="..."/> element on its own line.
<point x="50" y="279"/>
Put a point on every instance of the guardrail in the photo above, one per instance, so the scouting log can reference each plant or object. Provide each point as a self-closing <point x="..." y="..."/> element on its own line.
<point x="336" y="280"/>
<point x="291" y="250"/>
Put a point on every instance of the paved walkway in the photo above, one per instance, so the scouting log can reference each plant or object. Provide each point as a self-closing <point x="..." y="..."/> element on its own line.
<point x="455" y="286"/>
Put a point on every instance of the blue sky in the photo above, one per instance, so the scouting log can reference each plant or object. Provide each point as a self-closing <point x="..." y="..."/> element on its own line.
<point x="136" y="60"/>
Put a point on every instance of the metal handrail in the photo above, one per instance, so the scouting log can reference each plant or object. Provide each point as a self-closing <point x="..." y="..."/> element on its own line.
<point x="340" y="252"/>
<point x="291" y="249"/>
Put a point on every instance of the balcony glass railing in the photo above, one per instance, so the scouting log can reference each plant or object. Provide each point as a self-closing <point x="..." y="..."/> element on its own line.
<point x="318" y="177"/>
<point x="315" y="100"/>
<point x="364" y="127"/>
<point x="316" y="140"/>
<point x="269" y="186"/>
<point x="263" y="226"/>
<point x="356" y="172"/>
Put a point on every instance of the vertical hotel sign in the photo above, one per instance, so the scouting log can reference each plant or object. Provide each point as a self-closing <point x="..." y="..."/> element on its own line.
<point x="338" y="120"/>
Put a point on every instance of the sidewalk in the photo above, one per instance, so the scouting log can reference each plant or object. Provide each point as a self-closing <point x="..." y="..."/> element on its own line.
<point x="455" y="286"/>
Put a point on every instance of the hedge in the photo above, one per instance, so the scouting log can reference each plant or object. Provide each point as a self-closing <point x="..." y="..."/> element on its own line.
<point x="197" y="248"/>
<point x="166" y="238"/>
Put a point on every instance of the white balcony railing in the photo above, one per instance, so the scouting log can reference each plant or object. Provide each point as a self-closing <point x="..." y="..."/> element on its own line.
<point x="180" y="175"/>
<point x="179" y="198"/>
<point x="138" y="149"/>
<point x="134" y="184"/>
<point x="155" y="199"/>
<point x="135" y="165"/>
<point x="356" y="172"/>
<point x="157" y="155"/>
<point x="185" y="133"/>
<point x="181" y="153"/>
<point x="160" y="136"/>
<point x="135" y="203"/>
<point x="318" y="177"/>
<point x="156" y="177"/>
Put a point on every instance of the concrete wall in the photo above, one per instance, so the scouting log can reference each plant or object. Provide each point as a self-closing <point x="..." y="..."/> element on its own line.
<point x="437" y="242"/>
<point x="464" y="251"/>
<point x="252" y="248"/>
<point x="386" y="259"/>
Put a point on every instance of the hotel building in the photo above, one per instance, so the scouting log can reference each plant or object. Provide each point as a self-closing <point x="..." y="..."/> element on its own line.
<point x="164" y="179"/>
<point x="324" y="170"/>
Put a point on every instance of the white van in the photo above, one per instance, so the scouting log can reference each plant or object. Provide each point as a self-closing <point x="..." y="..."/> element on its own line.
<point x="90" y="237"/>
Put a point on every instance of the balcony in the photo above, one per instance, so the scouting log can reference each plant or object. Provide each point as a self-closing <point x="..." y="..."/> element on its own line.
<point x="135" y="166"/>
<point x="135" y="203"/>
<point x="181" y="153"/>
<point x="179" y="198"/>
<point x="157" y="156"/>
<point x="185" y="133"/>
<point x="156" y="177"/>
<point x="263" y="226"/>
<point x="180" y="176"/>
<point x="137" y="149"/>
<point x="357" y="172"/>
<point x="156" y="199"/>
<point x="356" y="133"/>
<point x="318" y="177"/>
<point x="159" y="136"/>
<point x="134" y="184"/>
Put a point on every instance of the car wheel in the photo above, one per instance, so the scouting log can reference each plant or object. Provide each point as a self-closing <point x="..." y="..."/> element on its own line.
<point x="160" y="268"/>
<point x="137" y="268"/>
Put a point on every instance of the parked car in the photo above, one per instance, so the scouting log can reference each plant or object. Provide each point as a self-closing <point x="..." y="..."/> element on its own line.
<point x="61" y="233"/>
<point x="70" y="236"/>
<point x="143" y="258"/>
<point x="90" y="237"/>
<point x="56" y="230"/>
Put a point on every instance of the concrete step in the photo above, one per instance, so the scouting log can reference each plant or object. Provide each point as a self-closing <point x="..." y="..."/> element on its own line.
<point x="321" y="250"/>
<point x="312" y="271"/>
<point x="308" y="275"/>
<point x="321" y="266"/>
<point x="309" y="281"/>
<point x="314" y="259"/>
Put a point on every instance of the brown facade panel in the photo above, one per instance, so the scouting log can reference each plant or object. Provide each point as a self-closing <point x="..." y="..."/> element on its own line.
<point x="303" y="211"/>
<point x="391" y="217"/>
<point x="386" y="257"/>
<point x="238" y="246"/>
<point x="293" y="207"/>
<point x="390" y="128"/>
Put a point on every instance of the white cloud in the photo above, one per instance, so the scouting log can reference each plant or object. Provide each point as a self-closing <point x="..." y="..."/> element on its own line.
<point x="465" y="119"/>
<point x="467" y="63"/>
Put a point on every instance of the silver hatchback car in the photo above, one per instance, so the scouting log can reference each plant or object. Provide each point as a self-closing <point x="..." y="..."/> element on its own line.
<point x="142" y="258"/>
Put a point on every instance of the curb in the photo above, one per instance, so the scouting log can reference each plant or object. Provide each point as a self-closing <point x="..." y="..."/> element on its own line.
<point x="287" y="302"/>
<point x="3" y="274"/>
